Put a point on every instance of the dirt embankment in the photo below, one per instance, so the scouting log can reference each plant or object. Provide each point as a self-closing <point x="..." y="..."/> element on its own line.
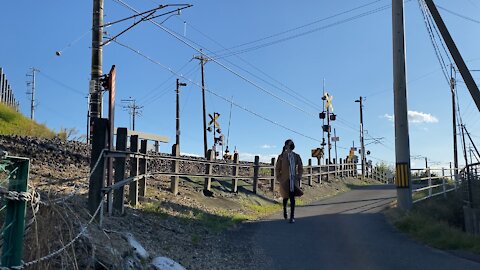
<point x="198" y="232"/>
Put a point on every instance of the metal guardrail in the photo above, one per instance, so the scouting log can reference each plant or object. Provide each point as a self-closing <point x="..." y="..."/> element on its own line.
<point x="470" y="185"/>
<point x="432" y="182"/>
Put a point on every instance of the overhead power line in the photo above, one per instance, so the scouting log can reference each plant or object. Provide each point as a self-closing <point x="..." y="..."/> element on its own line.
<point x="270" y="43"/>
<point x="298" y="27"/>
<point x="214" y="93"/>
<point x="181" y="39"/>
<point x="458" y="14"/>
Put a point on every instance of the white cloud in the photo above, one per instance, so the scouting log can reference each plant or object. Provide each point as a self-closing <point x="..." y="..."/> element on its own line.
<point x="266" y="158"/>
<point x="415" y="117"/>
<point x="388" y="117"/>
<point x="268" y="146"/>
<point x="420" y="117"/>
<point x="189" y="154"/>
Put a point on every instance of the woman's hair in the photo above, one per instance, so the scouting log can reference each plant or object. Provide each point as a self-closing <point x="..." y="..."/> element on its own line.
<point x="289" y="143"/>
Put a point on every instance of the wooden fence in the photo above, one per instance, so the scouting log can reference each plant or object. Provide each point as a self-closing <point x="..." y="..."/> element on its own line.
<point x="139" y="163"/>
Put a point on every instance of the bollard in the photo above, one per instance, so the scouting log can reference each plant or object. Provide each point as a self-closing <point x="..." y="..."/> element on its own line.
<point x="133" y="186"/>
<point x="174" y="180"/>
<point x="255" y="173"/>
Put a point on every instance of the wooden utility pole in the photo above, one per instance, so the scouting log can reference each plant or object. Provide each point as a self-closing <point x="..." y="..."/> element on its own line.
<point x="454" y="122"/>
<point x="362" y="139"/>
<point x="177" y="138"/>
<point x="402" y="141"/>
<point x="203" y="60"/>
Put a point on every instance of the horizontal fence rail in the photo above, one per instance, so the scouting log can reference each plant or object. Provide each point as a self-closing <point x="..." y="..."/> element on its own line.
<point x="130" y="164"/>
<point x="431" y="182"/>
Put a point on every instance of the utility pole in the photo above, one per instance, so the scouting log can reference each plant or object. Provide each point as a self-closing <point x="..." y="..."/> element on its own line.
<point x="177" y="138"/>
<point x="203" y="60"/>
<point x="32" y="92"/>
<point x="362" y="141"/>
<point x="96" y="67"/>
<point x="454" y="121"/>
<point x="402" y="141"/>
<point x="426" y="162"/>
<point x="133" y="109"/>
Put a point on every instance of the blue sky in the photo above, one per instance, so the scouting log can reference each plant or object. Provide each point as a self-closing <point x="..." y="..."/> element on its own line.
<point x="354" y="58"/>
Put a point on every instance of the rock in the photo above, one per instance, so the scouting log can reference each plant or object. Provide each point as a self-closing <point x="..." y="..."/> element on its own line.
<point x="164" y="263"/>
<point x="137" y="247"/>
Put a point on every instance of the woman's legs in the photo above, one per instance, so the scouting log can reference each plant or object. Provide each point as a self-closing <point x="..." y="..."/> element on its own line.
<point x="292" y="206"/>
<point x="285" y="208"/>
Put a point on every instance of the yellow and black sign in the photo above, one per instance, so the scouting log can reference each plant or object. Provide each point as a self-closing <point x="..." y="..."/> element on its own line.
<point x="317" y="152"/>
<point x="401" y="175"/>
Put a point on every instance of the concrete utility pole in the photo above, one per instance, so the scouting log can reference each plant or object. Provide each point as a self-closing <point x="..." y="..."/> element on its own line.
<point x="454" y="122"/>
<point x="402" y="141"/>
<point x="32" y="92"/>
<point x="96" y="68"/>
<point x="203" y="60"/>
<point x="133" y="109"/>
<point x="362" y="141"/>
<point x="177" y="138"/>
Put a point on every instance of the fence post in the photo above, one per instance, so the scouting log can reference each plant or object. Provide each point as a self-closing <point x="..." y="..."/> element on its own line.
<point x="310" y="172"/>
<point x="133" y="186"/>
<point x="328" y="168"/>
<point x="118" y="194"/>
<point x="142" y="182"/>
<point x="272" y="173"/>
<point x="444" y="183"/>
<point x="97" y="178"/>
<point x="319" y="176"/>
<point x="235" y="173"/>
<point x="208" y="170"/>
<point x="174" y="180"/>
<point x="429" y="182"/>
<point x="452" y="177"/>
<point x="14" y="226"/>
<point x="156" y="145"/>
<point x="255" y="174"/>
<point x="335" y="167"/>
<point x="341" y="167"/>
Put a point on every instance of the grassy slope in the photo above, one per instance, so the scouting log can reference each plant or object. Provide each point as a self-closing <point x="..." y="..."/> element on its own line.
<point x="14" y="123"/>
<point x="436" y="222"/>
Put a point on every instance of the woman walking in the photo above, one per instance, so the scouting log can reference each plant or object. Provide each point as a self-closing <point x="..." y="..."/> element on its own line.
<point x="289" y="170"/>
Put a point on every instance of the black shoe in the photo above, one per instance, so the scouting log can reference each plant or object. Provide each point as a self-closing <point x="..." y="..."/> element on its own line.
<point x="285" y="215"/>
<point x="292" y="220"/>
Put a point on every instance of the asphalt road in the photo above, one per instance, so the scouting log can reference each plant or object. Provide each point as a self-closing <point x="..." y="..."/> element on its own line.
<point x="347" y="232"/>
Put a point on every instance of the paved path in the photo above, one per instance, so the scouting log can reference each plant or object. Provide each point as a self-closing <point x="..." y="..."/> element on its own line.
<point x="347" y="232"/>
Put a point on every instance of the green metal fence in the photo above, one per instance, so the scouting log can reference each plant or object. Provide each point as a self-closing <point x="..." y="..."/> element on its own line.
<point x="14" y="197"/>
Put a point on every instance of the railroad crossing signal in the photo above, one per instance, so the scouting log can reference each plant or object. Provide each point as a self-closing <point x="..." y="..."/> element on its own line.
<point x="317" y="152"/>
<point x="328" y="98"/>
<point x="213" y="120"/>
